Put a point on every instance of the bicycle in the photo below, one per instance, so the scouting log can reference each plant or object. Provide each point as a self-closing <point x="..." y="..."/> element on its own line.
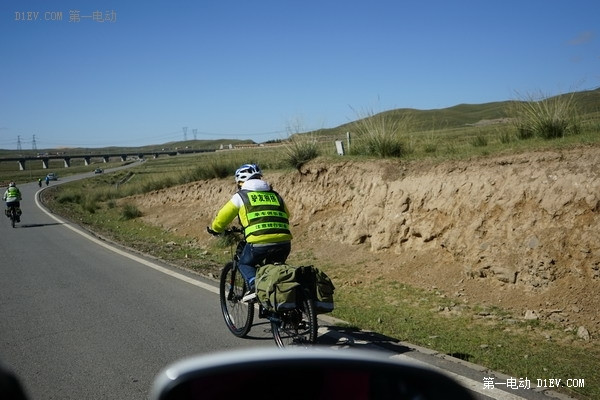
<point x="13" y="213"/>
<point x="297" y="326"/>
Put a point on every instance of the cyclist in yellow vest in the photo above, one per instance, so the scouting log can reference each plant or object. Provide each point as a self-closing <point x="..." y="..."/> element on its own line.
<point x="13" y="198"/>
<point x="264" y="218"/>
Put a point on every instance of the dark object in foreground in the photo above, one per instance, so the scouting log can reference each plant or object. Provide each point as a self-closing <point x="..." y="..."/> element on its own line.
<point x="302" y="374"/>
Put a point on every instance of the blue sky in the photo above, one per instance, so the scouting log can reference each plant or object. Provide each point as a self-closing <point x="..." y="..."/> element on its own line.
<point x="253" y="69"/>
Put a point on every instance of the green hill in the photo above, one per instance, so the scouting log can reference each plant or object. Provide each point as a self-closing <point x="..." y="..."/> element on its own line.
<point x="462" y="115"/>
<point x="451" y="118"/>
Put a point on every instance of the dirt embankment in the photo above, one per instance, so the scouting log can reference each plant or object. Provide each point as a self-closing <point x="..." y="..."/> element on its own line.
<point x="519" y="232"/>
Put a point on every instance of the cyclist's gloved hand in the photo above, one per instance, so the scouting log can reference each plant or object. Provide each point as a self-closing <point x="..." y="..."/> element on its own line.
<point x="209" y="230"/>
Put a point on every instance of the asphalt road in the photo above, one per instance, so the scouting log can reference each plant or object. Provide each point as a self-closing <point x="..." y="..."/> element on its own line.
<point x="80" y="321"/>
<point x="83" y="319"/>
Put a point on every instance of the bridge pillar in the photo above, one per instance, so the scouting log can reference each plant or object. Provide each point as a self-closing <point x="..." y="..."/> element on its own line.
<point x="106" y="159"/>
<point x="86" y="160"/>
<point x="67" y="161"/>
<point x="21" y="164"/>
<point x="45" y="163"/>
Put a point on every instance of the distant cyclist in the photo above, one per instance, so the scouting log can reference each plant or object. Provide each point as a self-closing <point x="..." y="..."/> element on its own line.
<point x="13" y="198"/>
<point x="265" y="219"/>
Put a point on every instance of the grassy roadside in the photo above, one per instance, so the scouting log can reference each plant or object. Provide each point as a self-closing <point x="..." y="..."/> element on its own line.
<point x="113" y="223"/>
<point x="489" y="337"/>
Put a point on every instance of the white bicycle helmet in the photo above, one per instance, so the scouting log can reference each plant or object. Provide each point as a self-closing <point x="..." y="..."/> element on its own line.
<point x="247" y="171"/>
<point x="12" y="184"/>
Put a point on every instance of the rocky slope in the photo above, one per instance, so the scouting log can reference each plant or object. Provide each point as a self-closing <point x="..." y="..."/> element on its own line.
<point x="519" y="232"/>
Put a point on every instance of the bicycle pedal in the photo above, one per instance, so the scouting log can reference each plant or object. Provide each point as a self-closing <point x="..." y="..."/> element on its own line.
<point x="249" y="298"/>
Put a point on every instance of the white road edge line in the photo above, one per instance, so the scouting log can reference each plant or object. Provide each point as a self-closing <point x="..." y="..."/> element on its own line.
<point x="129" y="255"/>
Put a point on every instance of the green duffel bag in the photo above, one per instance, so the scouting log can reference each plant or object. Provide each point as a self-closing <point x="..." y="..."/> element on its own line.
<point x="320" y="286"/>
<point x="276" y="287"/>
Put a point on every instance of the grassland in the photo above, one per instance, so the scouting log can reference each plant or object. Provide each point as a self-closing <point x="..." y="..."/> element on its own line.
<point x="459" y="132"/>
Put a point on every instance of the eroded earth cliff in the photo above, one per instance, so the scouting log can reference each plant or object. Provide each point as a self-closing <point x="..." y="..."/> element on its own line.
<point x="519" y="232"/>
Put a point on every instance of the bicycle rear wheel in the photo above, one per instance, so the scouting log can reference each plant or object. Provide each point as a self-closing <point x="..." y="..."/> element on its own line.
<point x="297" y="327"/>
<point x="238" y="315"/>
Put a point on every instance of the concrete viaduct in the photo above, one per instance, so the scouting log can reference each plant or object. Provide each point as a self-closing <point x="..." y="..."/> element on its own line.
<point x="87" y="157"/>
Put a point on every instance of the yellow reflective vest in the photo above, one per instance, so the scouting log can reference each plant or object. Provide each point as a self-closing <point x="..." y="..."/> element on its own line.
<point x="261" y="211"/>
<point x="12" y="194"/>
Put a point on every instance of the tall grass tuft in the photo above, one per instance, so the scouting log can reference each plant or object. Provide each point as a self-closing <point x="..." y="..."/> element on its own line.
<point x="69" y="196"/>
<point x="130" y="211"/>
<point x="220" y="170"/>
<point x="216" y="168"/>
<point x="430" y="148"/>
<point x="382" y="134"/>
<point x="90" y="204"/>
<point x="505" y="137"/>
<point x="479" y="141"/>
<point x="300" y="148"/>
<point x="546" y="117"/>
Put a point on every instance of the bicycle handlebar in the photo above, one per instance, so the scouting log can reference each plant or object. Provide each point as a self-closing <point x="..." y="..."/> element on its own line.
<point x="228" y="231"/>
<point x="234" y="229"/>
